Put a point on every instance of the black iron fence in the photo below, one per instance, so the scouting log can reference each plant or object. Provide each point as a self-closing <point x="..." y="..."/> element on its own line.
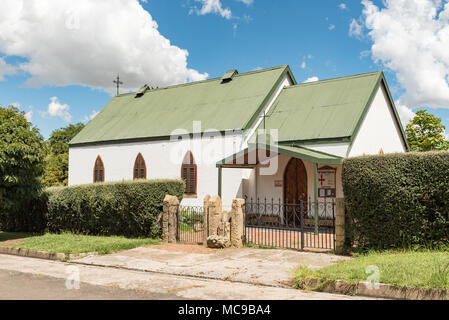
<point x="190" y="224"/>
<point x="301" y="225"/>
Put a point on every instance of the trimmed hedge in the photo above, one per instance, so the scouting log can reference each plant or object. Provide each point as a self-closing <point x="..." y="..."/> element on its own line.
<point x="125" y="208"/>
<point x="397" y="200"/>
<point x="28" y="215"/>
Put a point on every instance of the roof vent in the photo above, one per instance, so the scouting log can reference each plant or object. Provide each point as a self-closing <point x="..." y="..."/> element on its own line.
<point x="142" y="91"/>
<point x="229" y="75"/>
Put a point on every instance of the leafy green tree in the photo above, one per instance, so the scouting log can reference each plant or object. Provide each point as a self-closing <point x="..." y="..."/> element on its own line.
<point x="60" y="138"/>
<point x="425" y="132"/>
<point x="21" y="165"/>
<point x="57" y="160"/>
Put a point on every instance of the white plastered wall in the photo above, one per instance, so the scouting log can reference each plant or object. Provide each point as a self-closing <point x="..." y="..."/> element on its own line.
<point x="379" y="129"/>
<point x="163" y="160"/>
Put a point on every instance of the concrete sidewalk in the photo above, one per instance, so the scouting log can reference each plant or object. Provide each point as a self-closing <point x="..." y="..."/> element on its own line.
<point x="270" y="267"/>
<point x="44" y="279"/>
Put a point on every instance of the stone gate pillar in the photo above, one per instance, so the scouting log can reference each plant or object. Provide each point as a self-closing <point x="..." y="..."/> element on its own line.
<point x="170" y="219"/>
<point x="237" y="222"/>
<point x="215" y="214"/>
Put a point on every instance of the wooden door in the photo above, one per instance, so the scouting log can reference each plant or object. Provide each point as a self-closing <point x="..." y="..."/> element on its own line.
<point x="295" y="186"/>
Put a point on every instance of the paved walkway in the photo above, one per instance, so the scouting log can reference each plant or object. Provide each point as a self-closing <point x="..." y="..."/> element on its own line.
<point x="256" y="266"/>
<point x="46" y="280"/>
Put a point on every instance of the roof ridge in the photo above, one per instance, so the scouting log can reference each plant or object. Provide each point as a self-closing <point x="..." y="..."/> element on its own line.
<point x="360" y="75"/>
<point x="208" y="80"/>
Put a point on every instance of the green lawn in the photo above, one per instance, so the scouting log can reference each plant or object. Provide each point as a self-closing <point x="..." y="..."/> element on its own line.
<point x="419" y="269"/>
<point x="70" y="243"/>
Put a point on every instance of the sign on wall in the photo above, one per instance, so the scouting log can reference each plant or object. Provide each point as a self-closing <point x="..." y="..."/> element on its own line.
<point x="327" y="182"/>
<point x="278" y="183"/>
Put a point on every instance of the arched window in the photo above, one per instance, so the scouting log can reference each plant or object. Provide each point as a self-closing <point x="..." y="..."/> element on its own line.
<point x="140" y="169"/>
<point x="98" y="170"/>
<point x="189" y="174"/>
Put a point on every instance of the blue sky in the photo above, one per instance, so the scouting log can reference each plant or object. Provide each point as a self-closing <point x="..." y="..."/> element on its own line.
<point x="60" y="83"/>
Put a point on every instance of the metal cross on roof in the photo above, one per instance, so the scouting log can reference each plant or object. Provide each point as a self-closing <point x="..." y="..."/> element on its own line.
<point x="118" y="83"/>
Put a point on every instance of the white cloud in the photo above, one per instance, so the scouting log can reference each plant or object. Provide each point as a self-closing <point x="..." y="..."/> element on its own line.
<point x="29" y="115"/>
<point x="247" y="2"/>
<point x="405" y="113"/>
<point x="6" y="69"/>
<point x="212" y="6"/>
<point x="88" y="42"/>
<point x="303" y="65"/>
<point x="411" y="38"/>
<point x="57" y="109"/>
<point x="331" y="27"/>
<point x="311" y="79"/>
<point x="342" y="6"/>
<point x="92" y="115"/>
<point x="355" y="29"/>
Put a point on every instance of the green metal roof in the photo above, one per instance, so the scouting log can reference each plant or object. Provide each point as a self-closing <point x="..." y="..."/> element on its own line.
<point x="323" y="110"/>
<point x="292" y="151"/>
<point x="220" y="106"/>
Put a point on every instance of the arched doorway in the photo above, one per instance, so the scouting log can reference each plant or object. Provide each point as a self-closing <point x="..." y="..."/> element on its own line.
<point x="295" y="187"/>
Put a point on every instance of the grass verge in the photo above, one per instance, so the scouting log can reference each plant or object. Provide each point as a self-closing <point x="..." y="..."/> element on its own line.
<point x="69" y="243"/>
<point x="416" y="269"/>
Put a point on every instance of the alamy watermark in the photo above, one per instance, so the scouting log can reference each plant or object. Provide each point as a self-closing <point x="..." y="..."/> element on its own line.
<point x="72" y="281"/>
<point x="211" y="145"/>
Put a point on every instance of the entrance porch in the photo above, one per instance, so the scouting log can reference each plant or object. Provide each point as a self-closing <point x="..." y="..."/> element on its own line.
<point x="290" y="194"/>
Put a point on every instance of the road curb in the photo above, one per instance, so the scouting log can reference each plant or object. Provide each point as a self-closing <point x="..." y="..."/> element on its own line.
<point x="43" y="254"/>
<point x="367" y="289"/>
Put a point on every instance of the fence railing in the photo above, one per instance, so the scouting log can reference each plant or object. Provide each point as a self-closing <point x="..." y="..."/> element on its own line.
<point x="304" y="224"/>
<point x="191" y="224"/>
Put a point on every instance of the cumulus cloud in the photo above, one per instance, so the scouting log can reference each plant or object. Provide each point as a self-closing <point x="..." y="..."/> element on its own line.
<point x="411" y="37"/>
<point x="331" y="27"/>
<point x="355" y="29"/>
<point x="342" y="6"/>
<point x="212" y="6"/>
<point x="405" y="113"/>
<point x="57" y="109"/>
<point x="6" y="69"/>
<point x="88" y="42"/>
<point x="29" y="116"/>
<point x="92" y="115"/>
<point x="311" y="79"/>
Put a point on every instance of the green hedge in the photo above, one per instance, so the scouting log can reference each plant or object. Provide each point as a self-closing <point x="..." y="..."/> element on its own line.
<point x="397" y="200"/>
<point x="126" y="208"/>
<point x="27" y="215"/>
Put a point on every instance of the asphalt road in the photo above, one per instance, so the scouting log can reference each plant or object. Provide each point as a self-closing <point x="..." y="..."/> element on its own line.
<point x="22" y="286"/>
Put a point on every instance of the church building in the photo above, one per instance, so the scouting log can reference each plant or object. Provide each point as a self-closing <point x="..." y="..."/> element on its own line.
<point x="257" y="135"/>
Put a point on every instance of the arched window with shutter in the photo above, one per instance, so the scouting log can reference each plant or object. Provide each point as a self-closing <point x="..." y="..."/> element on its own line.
<point x="140" y="169"/>
<point x="189" y="174"/>
<point x="98" y="170"/>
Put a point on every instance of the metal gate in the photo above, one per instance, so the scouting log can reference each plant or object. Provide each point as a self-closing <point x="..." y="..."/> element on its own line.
<point x="303" y="225"/>
<point x="190" y="225"/>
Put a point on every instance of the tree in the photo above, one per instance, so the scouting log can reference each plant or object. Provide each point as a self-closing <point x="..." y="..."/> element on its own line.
<point x="57" y="160"/>
<point x="60" y="138"/>
<point x="425" y="132"/>
<point x="21" y="165"/>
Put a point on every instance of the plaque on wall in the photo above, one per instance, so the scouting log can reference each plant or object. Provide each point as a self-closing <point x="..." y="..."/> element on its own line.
<point x="327" y="182"/>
